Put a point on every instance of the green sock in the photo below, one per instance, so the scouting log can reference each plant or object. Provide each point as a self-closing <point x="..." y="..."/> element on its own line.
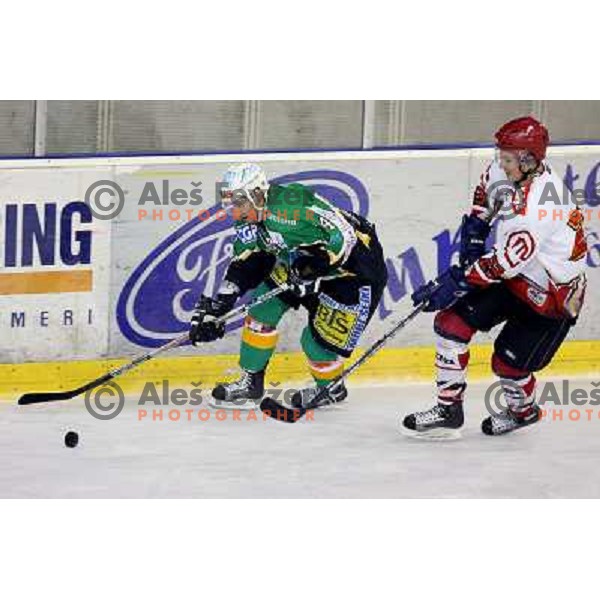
<point x="259" y="336"/>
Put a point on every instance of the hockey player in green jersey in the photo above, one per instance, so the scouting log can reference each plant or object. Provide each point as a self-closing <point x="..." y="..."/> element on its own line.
<point x="332" y="262"/>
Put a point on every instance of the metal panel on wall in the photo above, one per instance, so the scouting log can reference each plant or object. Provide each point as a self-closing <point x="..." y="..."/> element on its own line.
<point x="570" y="120"/>
<point x="17" y="119"/>
<point x="72" y="126"/>
<point x="176" y="126"/>
<point x="443" y="121"/>
<point x="172" y="126"/>
<point x="309" y="124"/>
<point x="388" y="122"/>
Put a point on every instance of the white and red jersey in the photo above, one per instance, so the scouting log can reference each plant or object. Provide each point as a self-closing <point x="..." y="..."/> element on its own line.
<point x="540" y="248"/>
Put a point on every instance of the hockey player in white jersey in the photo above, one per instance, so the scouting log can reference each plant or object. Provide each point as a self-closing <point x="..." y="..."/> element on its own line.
<point x="532" y="281"/>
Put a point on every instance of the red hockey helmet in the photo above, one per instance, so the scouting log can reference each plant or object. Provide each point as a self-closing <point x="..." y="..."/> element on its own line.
<point x="524" y="133"/>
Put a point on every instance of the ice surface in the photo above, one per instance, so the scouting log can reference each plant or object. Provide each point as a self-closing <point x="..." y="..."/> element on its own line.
<point x="349" y="451"/>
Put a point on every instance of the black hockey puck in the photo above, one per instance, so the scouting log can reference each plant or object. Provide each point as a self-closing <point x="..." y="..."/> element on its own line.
<point x="71" y="439"/>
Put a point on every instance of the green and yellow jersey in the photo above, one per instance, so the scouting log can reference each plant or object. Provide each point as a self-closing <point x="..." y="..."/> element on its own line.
<point x="293" y="217"/>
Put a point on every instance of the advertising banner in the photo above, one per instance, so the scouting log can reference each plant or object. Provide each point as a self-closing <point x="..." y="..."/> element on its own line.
<point x="106" y="257"/>
<point x="54" y="266"/>
<point x="416" y="199"/>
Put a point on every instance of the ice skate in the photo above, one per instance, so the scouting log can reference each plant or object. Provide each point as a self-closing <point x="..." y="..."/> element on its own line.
<point x="302" y="398"/>
<point x="243" y="394"/>
<point x="509" y="420"/>
<point x="442" y="421"/>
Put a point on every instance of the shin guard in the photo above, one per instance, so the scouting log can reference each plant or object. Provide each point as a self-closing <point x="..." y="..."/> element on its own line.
<point x="452" y="356"/>
<point x="519" y="386"/>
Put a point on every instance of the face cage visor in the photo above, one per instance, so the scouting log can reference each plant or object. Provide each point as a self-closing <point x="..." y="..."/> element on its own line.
<point x="234" y="199"/>
<point x="509" y="158"/>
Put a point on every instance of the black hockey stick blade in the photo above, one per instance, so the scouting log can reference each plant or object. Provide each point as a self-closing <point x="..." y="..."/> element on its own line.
<point x="279" y="412"/>
<point x="39" y="397"/>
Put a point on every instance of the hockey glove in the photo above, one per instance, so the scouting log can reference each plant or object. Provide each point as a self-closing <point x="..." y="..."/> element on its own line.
<point x="204" y="325"/>
<point x="302" y="287"/>
<point x="473" y="235"/>
<point x="306" y="270"/>
<point x="442" y="293"/>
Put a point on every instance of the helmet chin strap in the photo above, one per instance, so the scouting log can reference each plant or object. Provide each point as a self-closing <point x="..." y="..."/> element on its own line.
<point x="524" y="177"/>
<point x="259" y="209"/>
<point x="527" y="174"/>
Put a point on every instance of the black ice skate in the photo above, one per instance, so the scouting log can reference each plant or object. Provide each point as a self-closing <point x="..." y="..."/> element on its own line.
<point x="508" y="420"/>
<point x="302" y="398"/>
<point x="441" y="421"/>
<point x="243" y="394"/>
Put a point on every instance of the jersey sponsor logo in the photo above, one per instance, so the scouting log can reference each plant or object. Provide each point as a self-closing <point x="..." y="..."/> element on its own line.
<point x="519" y="248"/>
<point x="157" y="300"/>
<point x="246" y="233"/>
<point x="279" y="274"/>
<point x="537" y="296"/>
<point x="364" y="307"/>
<point x="274" y="241"/>
<point x="341" y="325"/>
<point x="283" y="221"/>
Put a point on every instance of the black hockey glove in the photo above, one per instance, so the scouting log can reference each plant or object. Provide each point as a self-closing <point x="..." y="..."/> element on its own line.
<point x="442" y="293"/>
<point x="204" y="325"/>
<point x="306" y="271"/>
<point x="303" y="287"/>
<point x="473" y="235"/>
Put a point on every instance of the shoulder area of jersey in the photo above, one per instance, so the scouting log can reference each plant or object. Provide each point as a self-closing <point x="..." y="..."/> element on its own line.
<point x="547" y="179"/>
<point x="291" y="193"/>
<point x="548" y="188"/>
<point x="493" y="172"/>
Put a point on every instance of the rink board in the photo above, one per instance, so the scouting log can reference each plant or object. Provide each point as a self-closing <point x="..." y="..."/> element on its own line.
<point x="392" y="365"/>
<point x="78" y="293"/>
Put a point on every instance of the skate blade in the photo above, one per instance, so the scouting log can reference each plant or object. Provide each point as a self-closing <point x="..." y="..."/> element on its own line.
<point x="440" y="434"/>
<point x="245" y="406"/>
<point x="330" y="406"/>
<point x="526" y="430"/>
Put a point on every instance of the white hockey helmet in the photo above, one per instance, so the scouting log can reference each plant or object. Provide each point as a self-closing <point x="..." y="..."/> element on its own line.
<point x="240" y="181"/>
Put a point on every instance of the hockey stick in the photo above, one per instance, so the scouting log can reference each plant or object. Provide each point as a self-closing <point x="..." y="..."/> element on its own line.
<point x="39" y="397"/>
<point x="290" y="415"/>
